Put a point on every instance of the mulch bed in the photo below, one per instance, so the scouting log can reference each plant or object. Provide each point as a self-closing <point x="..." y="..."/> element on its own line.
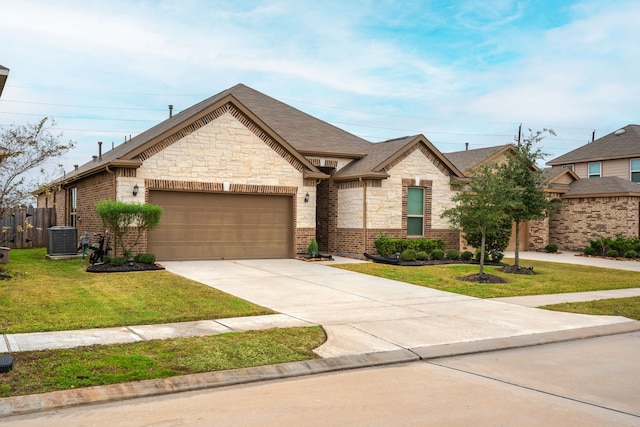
<point x="512" y="269"/>
<point x="482" y="278"/>
<point x="125" y="268"/>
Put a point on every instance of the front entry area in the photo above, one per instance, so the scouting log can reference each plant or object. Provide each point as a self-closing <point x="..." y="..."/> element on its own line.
<point x="209" y="226"/>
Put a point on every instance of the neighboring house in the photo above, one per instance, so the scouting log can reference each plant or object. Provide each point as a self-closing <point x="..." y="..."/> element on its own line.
<point x="242" y="175"/>
<point x="616" y="154"/>
<point x="602" y="195"/>
<point x="4" y="73"/>
<point x="469" y="160"/>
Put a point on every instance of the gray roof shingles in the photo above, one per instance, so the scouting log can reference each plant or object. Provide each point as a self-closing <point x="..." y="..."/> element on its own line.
<point x="467" y="159"/>
<point x="615" y="145"/>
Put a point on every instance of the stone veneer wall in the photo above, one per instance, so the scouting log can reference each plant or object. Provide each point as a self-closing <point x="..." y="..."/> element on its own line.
<point x="538" y="235"/>
<point x="580" y="219"/>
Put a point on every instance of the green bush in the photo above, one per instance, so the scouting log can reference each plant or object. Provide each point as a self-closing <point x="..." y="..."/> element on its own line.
<point x="453" y="255"/>
<point x="497" y="256"/>
<point x="551" y="247"/>
<point x="437" y="254"/>
<point x="408" y="255"/>
<point x="107" y="259"/>
<point x="145" y="258"/>
<point x="466" y="256"/>
<point x="312" y="249"/>
<point x="479" y="253"/>
<point x="612" y="253"/>
<point x="631" y="254"/>
<point x="386" y="246"/>
<point x="422" y="256"/>
<point x="117" y="261"/>
<point x="602" y="244"/>
<point x="589" y="250"/>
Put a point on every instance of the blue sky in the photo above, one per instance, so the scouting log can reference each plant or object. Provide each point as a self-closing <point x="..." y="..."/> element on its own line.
<point x="457" y="72"/>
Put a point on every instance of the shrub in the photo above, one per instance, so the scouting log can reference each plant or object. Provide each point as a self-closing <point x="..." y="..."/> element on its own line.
<point x="453" y="255"/>
<point x="551" y="247"/>
<point x="422" y="256"/>
<point x="437" y="254"/>
<point x="145" y="258"/>
<point x="479" y="253"/>
<point x="631" y="254"/>
<point x="117" y="261"/>
<point x="386" y="246"/>
<point x="589" y="250"/>
<point x="107" y="259"/>
<point x="497" y="256"/>
<point x="312" y="249"/>
<point x="466" y="256"/>
<point x="612" y="253"/>
<point x="408" y="255"/>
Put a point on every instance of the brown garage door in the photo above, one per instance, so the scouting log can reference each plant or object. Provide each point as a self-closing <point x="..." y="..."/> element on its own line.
<point x="221" y="226"/>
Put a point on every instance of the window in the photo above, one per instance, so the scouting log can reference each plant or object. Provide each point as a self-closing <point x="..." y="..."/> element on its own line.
<point x="635" y="170"/>
<point x="595" y="170"/>
<point x="73" y="205"/>
<point x="415" y="211"/>
<point x="567" y="167"/>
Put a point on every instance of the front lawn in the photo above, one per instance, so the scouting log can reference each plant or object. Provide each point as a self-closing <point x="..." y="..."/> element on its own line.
<point x="46" y="295"/>
<point x="625" y="307"/>
<point x="551" y="278"/>
<point x="49" y="370"/>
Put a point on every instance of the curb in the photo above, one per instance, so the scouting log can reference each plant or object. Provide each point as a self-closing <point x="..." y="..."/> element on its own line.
<point x="20" y="405"/>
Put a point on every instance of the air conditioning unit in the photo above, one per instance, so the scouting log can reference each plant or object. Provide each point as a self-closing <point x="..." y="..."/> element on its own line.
<point x="62" y="240"/>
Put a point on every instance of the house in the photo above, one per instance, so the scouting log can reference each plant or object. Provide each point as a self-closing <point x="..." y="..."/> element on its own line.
<point x="468" y="160"/>
<point x="243" y="175"/>
<point x="616" y="154"/>
<point x="4" y="73"/>
<point x="602" y="194"/>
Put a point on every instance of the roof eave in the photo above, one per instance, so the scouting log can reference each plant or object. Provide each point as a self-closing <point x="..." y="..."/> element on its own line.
<point x="311" y="153"/>
<point x="362" y="176"/>
<point x="125" y="164"/>
<point x="615" y="194"/>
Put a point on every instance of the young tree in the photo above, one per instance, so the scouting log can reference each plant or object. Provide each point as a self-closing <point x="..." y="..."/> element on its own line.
<point x="22" y="149"/>
<point x="121" y="218"/>
<point x="526" y="199"/>
<point x="479" y="208"/>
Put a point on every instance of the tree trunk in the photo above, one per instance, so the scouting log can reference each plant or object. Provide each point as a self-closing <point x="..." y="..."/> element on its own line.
<point x="482" y="245"/>
<point x="517" y="248"/>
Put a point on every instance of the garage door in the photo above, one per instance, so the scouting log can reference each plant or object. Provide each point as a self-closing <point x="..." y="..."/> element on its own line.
<point x="221" y="226"/>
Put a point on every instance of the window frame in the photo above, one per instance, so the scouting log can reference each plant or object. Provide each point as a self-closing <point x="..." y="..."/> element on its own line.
<point x="413" y="215"/>
<point x="569" y="166"/>
<point x="632" y="170"/>
<point x="73" y="206"/>
<point x="589" y="174"/>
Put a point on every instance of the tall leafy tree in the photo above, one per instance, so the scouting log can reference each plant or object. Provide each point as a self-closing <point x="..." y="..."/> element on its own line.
<point x="23" y="149"/>
<point x="480" y="207"/>
<point x="525" y="196"/>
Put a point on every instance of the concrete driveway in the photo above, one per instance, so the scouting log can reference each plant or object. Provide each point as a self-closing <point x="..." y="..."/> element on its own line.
<point x="366" y="314"/>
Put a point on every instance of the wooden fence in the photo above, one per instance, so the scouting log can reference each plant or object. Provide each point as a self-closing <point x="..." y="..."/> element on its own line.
<point x="26" y="228"/>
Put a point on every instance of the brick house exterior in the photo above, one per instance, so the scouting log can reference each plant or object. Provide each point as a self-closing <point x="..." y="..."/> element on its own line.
<point x="242" y="175"/>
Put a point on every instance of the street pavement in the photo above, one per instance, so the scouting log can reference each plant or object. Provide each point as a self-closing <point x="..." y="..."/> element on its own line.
<point x="589" y="382"/>
<point x="369" y="322"/>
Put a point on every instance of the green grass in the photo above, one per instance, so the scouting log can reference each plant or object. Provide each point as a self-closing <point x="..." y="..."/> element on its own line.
<point x="46" y="295"/>
<point x="49" y="370"/>
<point x="551" y="278"/>
<point x="626" y="307"/>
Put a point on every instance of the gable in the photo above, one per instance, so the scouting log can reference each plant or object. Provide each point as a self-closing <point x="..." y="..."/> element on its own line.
<point x="222" y="149"/>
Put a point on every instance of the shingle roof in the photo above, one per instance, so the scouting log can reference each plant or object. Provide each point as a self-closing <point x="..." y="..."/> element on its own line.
<point x="469" y="158"/>
<point x="616" y="145"/>
<point x="305" y="134"/>
<point x="611" y="185"/>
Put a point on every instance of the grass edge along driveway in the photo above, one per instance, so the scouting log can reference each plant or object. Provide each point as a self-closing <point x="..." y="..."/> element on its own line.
<point x="550" y="278"/>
